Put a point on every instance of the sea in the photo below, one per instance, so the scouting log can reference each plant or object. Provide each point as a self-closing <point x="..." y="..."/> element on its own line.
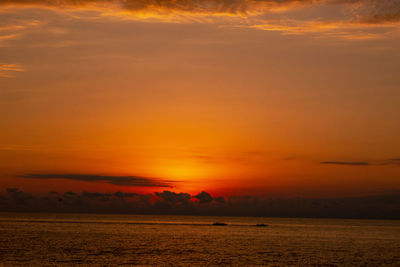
<point x="161" y="240"/>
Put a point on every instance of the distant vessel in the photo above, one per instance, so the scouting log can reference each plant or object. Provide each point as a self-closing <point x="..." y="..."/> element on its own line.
<point x="219" y="224"/>
<point x="261" y="225"/>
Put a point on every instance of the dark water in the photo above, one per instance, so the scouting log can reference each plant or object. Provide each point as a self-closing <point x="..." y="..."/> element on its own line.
<point x="101" y="240"/>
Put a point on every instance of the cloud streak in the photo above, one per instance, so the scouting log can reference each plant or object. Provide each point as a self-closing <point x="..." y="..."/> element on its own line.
<point x="393" y="161"/>
<point x="8" y="70"/>
<point x="135" y="181"/>
<point x="349" y="163"/>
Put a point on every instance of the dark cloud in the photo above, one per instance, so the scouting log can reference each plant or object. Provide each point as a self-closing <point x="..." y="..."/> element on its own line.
<point x="114" y="180"/>
<point x="3" y="199"/>
<point x="219" y="199"/>
<point x="391" y="162"/>
<point x="99" y="196"/>
<point x="19" y="197"/>
<point x="351" y="163"/>
<point x="385" y="206"/>
<point x="204" y="197"/>
<point x="122" y="194"/>
<point x="11" y="190"/>
<point x="173" y="198"/>
<point x="96" y="194"/>
<point x="379" y="11"/>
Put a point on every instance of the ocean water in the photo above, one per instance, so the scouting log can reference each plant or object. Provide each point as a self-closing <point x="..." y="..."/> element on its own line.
<point x="102" y="240"/>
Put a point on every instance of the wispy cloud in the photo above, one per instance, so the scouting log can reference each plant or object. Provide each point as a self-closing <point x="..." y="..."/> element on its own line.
<point x="350" y="163"/>
<point x="346" y="30"/>
<point x="8" y="70"/>
<point x="10" y="36"/>
<point x="15" y="148"/>
<point x="393" y="161"/>
<point x="110" y="179"/>
<point x="12" y="28"/>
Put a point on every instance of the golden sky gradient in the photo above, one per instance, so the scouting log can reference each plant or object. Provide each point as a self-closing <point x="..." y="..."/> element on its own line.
<point x="262" y="97"/>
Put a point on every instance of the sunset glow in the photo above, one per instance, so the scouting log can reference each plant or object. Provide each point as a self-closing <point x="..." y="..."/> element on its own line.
<point x="265" y="98"/>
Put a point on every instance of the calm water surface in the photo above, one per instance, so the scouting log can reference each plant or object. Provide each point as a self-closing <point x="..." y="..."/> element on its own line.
<point x="101" y="240"/>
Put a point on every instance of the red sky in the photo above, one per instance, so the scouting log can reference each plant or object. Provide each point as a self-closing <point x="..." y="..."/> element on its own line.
<point x="288" y="98"/>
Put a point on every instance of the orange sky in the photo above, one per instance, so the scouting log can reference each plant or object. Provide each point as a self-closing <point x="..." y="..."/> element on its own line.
<point x="287" y="98"/>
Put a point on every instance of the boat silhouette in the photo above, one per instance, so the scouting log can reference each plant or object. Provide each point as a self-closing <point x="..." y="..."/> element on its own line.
<point x="219" y="224"/>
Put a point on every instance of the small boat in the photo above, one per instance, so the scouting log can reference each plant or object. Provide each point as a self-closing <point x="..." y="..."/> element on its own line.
<point x="219" y="224"/>
<point x="261" y="225"/>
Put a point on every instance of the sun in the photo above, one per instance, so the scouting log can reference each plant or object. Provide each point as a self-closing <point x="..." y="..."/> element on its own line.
<point x="185" y="170"/>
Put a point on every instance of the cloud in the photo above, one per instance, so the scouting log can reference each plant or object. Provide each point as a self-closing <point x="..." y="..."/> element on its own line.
<point x="114" y="180"/>
<point x="366" y="11"/>
<point x="347" y="19"/>
<point x="350" y="163"/>
<point x="7" y="69"/>
<point x="123" y="195"/>
<point x="15" y="148"/>
<point x="394" y="161"/>
<point x="204" y="197"/>
<point x="19" y="197"/>
<point x="96" y="194"/>
<point x="219" y="199"/>
<point x="212" y="7"/>
<point x="13" y="27"/>
<point x="378" y="11"/>
<point x="172" y="197"/>
<point x="385" y="206"/>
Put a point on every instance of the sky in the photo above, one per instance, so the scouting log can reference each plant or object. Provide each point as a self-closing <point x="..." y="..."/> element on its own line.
<point x="277" y="98"/>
